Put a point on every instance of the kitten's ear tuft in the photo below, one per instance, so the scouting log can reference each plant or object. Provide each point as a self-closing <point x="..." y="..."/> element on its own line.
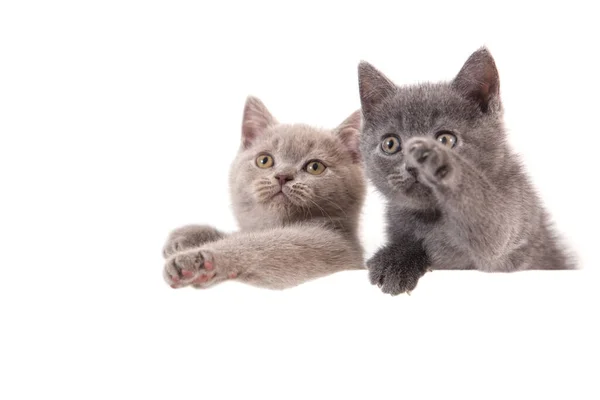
<point x="373" y="86"/>
<point x="478" y="80"/>
<point x="256" y="120"/>
<point x="348" y="132"/>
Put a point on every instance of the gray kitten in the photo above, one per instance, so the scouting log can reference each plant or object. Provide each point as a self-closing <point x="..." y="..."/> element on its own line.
<point x="457" y="196"/>
<point x="297" y="192"/>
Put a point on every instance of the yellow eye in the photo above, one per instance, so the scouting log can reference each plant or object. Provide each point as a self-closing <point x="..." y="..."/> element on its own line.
<point x="391" y="145"/>
<point x="446" y="138"/>
<point x="264" y="161"/>
<point x="315" y="167"/>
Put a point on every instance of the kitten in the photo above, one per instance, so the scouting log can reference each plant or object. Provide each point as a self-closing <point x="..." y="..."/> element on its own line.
<point x="457" y="196"/>
<point x="297" y="192"/>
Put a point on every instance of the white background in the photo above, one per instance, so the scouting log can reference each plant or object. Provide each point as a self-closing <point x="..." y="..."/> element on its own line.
<point x="118" y="121"/>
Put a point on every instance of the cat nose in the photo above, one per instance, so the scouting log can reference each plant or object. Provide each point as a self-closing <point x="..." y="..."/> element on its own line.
<point x="283" y="178"/>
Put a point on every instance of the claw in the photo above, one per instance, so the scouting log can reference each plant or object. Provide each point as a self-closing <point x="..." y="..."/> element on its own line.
<point x="429" y="270"/>
<point x="408" y="292"/>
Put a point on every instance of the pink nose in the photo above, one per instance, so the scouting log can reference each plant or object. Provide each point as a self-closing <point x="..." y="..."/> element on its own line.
<point x="283" y="178"/>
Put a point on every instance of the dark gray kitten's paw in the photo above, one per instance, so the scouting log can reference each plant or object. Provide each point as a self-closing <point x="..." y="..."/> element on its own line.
<point x="430" y="160"/>
<point x="188" y="237"/>
<point x="398" y="267"/>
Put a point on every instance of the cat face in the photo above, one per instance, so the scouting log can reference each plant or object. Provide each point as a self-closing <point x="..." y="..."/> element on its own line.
<point x="464" y="114"/>
<point x="295" y="172"/>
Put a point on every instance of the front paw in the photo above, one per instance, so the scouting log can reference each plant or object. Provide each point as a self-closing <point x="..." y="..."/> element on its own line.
<point x="189" y="267"/>
<point x="188" y="237"/>
<point x="198" y="268"/>
<point x="431" y="161"/>
<point x="397" y="270"/>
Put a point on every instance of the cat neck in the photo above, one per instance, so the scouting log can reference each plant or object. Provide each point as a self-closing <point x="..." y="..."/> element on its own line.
<point x="252" y="221"/>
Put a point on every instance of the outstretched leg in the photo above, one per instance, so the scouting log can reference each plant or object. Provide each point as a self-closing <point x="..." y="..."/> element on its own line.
<point x="277" y="258"/>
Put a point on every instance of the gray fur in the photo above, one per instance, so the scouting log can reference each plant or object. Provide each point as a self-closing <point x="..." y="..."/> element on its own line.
<point x="467" y="207"/>
<point x="286" y="239"/>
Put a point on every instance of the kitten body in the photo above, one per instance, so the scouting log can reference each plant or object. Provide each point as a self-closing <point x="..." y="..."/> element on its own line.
<point x="457" y="196"/>
<point x="296" y="192"/>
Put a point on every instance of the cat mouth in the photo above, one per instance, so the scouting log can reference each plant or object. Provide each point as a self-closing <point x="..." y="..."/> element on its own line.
<point x="416" y="181"/>
<point x="403" y="182"/>
<point x="409" y="185"/>
<point x="412" y="186"/>
<point x="280" y="195"/>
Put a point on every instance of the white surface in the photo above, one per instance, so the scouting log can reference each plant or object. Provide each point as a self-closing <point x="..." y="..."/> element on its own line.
<point x="118" y="121"/>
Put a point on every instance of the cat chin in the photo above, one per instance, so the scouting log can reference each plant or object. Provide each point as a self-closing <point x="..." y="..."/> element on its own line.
<point x="280" y="202"/>
<point x="409" y="188"/>
<point x="415" y="196"/>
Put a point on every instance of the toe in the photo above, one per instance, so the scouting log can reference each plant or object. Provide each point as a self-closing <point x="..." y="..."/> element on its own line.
<point x="187" y="274"/>
<point x="172" y="270"/>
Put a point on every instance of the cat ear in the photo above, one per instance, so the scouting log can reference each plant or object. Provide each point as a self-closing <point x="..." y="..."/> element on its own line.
<point x="374" y="87"/>
<point x="348" y="132"/>
<point x="478" y="80"/>
<point x="256" y="120"/>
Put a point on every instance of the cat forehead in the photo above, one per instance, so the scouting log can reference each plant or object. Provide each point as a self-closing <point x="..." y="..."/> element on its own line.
<point x="298" y="140"/>
<point x="423" y="104"/>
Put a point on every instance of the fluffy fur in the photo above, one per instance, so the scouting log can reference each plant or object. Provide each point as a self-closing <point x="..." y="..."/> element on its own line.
<point x="295" y="226"/>
<point x="470" y="206"/>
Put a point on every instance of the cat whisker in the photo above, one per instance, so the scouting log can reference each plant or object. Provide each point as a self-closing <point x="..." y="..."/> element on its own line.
<point x="300" y="187"/>
<point x="295" y="197"/>
<point x="263" y="190"/>
<point x="265" y="187"/>
<point x="323" y="211"/>
<point x="335" y="204"/>
<point x="398" y="178"/>
<point x="265" y="184"/>
<point x="264" y="194"/>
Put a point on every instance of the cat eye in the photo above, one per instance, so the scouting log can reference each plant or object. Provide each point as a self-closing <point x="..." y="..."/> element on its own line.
<point x="264" y="161"/>
<point x="390" y="145"/>
<point x="315" y="167"/>
<point x="446" y="138"/>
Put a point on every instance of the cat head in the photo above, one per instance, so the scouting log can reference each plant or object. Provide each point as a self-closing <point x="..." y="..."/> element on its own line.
<point x="294" y="172"/>
<point x="465" y="114"/>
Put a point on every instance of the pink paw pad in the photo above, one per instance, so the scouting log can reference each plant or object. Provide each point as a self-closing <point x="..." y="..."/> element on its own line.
<point x="187" y="274"/>
<point x="201" y="279"/>
<point x="232" y="275"/>
<point x="208" y="265"/>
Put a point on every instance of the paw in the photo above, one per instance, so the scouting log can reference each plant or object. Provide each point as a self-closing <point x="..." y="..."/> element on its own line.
<point x="196" y="268"/>
<point x="396" y="270"/>
<point x="393" y="279"/>
<point x="188" y="237"/>
<point x="189" y="267"/>
<point x="430" y="161"/>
